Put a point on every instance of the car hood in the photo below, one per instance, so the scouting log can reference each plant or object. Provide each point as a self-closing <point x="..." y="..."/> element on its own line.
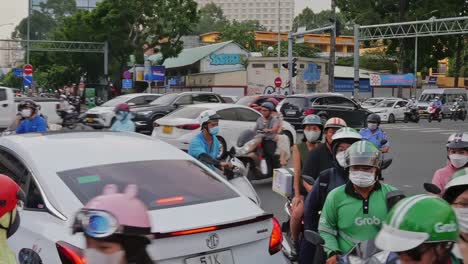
<point x="378" y="109"/>
<point x="176" y="121"/>
<point x="100" y="110"/>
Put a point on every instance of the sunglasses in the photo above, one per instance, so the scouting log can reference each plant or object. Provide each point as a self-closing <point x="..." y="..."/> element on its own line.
<point x="417" y="252"/>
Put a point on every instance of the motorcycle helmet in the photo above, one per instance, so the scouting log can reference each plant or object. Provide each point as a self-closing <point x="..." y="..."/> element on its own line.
<point x="206" y="116"/>
<point x="10" y="195"/>
<point x="458" y="141"/>
<point x="28" y="104"/>
<point x="345" y="135"/>
<point x="273" y="101"/>
<point x="114" y="213"/>
<point x="269" y="106"/>
<point x="456" y="186"/>
<point x="122" y="108"/>
<point x="363" y="153"/>
<point x="416" y="220"/>
<point x="374" y="118"/>
<point x="335" y="122"/>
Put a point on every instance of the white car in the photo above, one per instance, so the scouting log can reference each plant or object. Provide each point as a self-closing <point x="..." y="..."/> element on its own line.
<point x="181" y="126"/>
<point x="390" y="110"/>
<point x="196" y="214"/>
<point x="103" y="116"/>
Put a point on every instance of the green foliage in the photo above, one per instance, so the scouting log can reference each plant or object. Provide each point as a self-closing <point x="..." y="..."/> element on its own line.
<point x="9" y="80"/>
<point x="212" y="19"/>
<point x="299" y="50"/>
<point x="372" y="62"/>
<point x="242" y="33"/>
<point x="311" y="20"/>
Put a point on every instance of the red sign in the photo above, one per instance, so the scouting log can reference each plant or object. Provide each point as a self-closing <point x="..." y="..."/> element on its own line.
<point x="28" y="69"/>
<point x="278" y="82"/>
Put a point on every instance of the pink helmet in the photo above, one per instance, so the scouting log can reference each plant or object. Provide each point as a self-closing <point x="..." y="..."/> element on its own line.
<point x="122" y="213"/>
<point x="122" y="107"/>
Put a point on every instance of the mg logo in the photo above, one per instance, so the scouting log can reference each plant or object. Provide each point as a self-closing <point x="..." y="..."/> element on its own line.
<point x="212" y="241"/>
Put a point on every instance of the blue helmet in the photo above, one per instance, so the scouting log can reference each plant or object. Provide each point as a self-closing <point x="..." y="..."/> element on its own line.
<point x="312" y="120"/>
<point x="268" y="105"/>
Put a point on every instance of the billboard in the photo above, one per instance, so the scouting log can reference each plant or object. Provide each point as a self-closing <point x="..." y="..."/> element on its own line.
<point x="392" y="80"/>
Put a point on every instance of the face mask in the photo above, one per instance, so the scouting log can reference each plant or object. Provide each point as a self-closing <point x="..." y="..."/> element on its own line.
<point x="362" y="179"/>
<point x="372" y="126"/>
<point x="311" y="136"/>
<point x="341" y="159"/>
<point x="95" y="257"/>
<point x="214" y="131"/>
<point x="458" y="160"/>
<point x="462" y="216"/>
<point x="26" y="113"/>
<point x="120" y="117"/>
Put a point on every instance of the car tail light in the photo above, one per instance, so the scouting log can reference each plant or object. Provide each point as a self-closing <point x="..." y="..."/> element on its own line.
<point x="194" y="231"/>
<point x="70" y="254"/>
<point x="189" y="126"/>
<point x="309" y="112"/>
<point x="171" y="200"/>
<point x="276" y="238"/>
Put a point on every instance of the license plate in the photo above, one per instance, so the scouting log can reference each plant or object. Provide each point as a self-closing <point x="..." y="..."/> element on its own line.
<point x="90" y="120"/>
<point x="223" y="257"/>
<point x="291" y="112"/>
<point x="167" y="129"/>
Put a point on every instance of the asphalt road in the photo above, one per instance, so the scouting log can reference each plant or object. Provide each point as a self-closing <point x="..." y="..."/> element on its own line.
<point x="418" y="150"/>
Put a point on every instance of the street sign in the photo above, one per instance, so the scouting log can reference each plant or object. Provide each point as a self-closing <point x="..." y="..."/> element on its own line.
<point x="432" y="80"/>
<point x="158" y="73"/>
<point x="127" y="84"/>
<point x="18" y="72"/>
<point x="278" y="82"/>
<point x="27" y="80"/>
<point x="127" y="75"/>
<point x="28" y="69"/>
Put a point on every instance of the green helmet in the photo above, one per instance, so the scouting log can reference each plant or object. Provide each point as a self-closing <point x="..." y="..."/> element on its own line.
<point x="363" y="153"/>
<point x="416" y="220"/>
<point x="456" y="186"/>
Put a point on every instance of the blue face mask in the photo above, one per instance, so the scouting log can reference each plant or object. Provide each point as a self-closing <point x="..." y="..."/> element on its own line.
<point x="214" y="131"/>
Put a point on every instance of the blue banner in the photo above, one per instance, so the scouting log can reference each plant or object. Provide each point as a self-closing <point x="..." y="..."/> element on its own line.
<point x="127" y="84"/>
<point x="18" y="72"/>
<point x="312" y="74"/>
<point x="392" y="79"/>
<point x="225" y="59"/>
<point x="347" y="85"/>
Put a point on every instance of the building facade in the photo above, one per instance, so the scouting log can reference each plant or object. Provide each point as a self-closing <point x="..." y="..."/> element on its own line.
<point x="80" y="4"/>
<point x="11" y="54"/>
<point x="265" y="11"/>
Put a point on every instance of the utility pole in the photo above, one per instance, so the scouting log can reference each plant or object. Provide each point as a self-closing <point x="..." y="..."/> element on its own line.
<point x="28" y="32"/>
<point x="279" y="38"/>
<point x="331" y="63"/>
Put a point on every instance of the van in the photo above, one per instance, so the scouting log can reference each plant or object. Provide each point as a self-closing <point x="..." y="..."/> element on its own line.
<point x="447" y="96"/>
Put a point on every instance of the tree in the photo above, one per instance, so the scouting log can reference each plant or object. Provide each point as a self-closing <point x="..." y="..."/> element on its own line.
<point x="299" y="50"/>
<point x="212" y="19"/>
<point x="41" y="25"/>
<point x="242" y="33"/>
<point x="310" y="20"/>
<point x="58" y="8"/>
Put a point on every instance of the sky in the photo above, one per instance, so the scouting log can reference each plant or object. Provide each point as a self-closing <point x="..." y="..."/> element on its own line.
<point x="12" y="11"/>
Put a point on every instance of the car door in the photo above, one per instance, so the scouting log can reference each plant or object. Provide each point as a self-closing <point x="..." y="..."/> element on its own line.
<point x="229" y="126"/>
<point x="400" y="108"/>
<point x="35" y="216"/>
<point x="7" y="108"/>
<point x="336" y="107"/>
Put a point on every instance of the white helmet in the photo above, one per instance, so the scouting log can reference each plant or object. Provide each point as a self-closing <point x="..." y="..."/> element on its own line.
<point x="335" y="122"/>
<point x="208" y="115"/>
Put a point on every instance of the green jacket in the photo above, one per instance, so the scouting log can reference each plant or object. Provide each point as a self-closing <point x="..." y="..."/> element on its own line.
<point x="347" y="218"/>
<point x="6" y="255"/>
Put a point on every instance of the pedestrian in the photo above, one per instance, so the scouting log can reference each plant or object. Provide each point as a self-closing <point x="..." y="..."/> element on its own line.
<point x="373" y="133"/>
<point x="32" y="122"/>
<point x="322" y="158"/>
<point x="456" y="193"/>
<point x="123" y="119"/>
<point x="457" y="155"/>
<point x="116" y="227"/>
<point x="421" y="229"/>
<point x="10" y="195"/>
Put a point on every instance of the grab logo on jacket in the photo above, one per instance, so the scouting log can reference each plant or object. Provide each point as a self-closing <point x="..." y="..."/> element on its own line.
<point x="360" y="221"/>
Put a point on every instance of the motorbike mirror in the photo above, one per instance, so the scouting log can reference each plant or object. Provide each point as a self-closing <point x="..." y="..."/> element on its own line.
<point x="232" y="151"/>
<point x="314" y="238"/>
<point x="432" y="188"/>
<point x="386" y="163"/>
<point x="393" y="198"/>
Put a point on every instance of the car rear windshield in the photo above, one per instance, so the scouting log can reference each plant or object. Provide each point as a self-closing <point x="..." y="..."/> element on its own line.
<point x="161" y="183"/>
<point x="298" y="102"/>
<point x="428" y="97"/>
<point x="187" y="112"/>
<point x="245" y="100"/>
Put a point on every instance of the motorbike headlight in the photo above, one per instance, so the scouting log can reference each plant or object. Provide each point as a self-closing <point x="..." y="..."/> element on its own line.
<point x="145" y="113"/>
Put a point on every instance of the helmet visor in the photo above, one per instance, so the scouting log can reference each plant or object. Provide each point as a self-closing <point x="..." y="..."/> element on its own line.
<point x="364" y="159"/>
<point x="95" y="223"/>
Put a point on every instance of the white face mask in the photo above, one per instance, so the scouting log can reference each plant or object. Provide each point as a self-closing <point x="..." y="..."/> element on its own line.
<point x="341" y="158"/>
<point x="311" y="136"/>
<point x="26" y="113"/>
<point x="372" y="126"/>
<point x="95" y="257"/>
<point x="458" y="160"/>
<point x="462" y="216"/>
<point x="362" y="179"/>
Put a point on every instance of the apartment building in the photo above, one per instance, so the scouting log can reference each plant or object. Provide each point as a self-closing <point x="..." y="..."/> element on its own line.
<point x="11" y="54"/>
<point x="80" y="4"/>
<point x="265" y="11"/>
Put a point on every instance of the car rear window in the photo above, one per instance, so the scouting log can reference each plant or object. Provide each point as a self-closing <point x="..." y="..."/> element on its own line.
<point x="298" y="102"/>
<point x="187" y="112"/>
<point x="161" y="183"/>
<point x="247" y="100"/>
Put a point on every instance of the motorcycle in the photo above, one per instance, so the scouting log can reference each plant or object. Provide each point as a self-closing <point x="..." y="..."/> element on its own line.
<point x="411" y="115"/>
<point x="434" y="113"/>
<point x="457" y="112"/>
<point x="69" y="112"/>
<point x="237" y="176"/>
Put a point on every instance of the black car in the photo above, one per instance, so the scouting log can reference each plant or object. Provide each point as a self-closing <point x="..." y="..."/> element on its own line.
<point x="146" y="115"/>
<point x="325" y="105"/>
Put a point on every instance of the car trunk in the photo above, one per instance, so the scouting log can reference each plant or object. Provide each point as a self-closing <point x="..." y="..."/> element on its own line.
<point x="175" y="128"/>
<point x="190" y="236"/>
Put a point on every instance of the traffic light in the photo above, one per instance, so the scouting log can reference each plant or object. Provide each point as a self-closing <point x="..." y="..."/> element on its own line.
<point x="294" y="67"/>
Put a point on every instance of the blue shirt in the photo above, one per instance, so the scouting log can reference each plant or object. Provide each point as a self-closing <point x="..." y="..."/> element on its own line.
<point x="436" y="104"/>
<point x="124" y="125"/>
<point x="199" y="146"/>
<point x="376" y="137"/>
<point x="37" y="124"/>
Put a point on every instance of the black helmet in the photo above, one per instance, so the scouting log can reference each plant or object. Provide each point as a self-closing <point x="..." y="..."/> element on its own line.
<point x="28" y="104"/>
<point x="373" y="118"/>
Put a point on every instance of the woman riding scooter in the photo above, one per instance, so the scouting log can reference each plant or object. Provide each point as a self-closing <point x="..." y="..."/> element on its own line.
<point x="123" y="122"/>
